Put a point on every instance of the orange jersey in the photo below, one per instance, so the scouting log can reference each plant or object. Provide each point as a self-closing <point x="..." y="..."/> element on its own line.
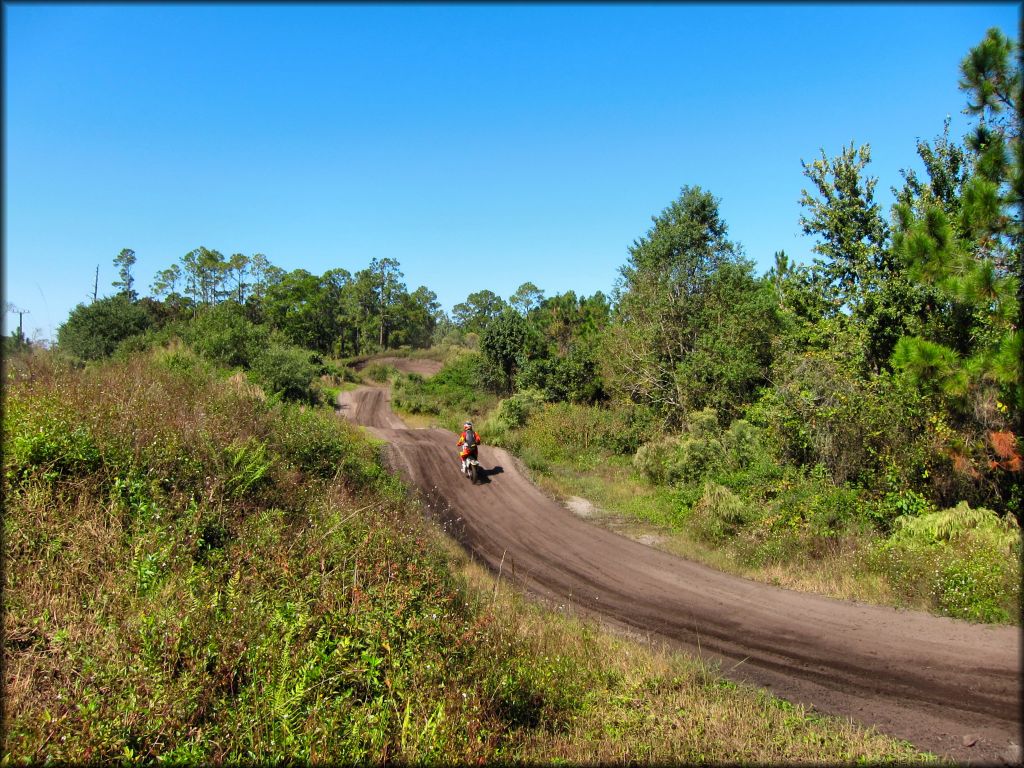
<point x="466" y="450"/>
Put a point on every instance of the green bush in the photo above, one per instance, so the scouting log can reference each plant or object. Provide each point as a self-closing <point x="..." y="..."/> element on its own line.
<point x="94" y="331"/>
<point x="962" y="562"/>
<point x="38" y="438"/>
<point x="980" y="584"/>
<point x="573" y="378"/>
<point x="822" y="411"/>
<point x="513" y="412"/>
<point x="225" y="336"/>
<point x="743" y="444"/>
<point x="578" y="433"/>
<point x="702" y="450"/>
<point x="652" y="459"/>
<point x="285" y="371"/>
<point x="381" y="373"/>
<point x="719" y="514"/>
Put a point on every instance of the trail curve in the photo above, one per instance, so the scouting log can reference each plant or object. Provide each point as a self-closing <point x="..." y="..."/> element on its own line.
<point x="939" y="683"/>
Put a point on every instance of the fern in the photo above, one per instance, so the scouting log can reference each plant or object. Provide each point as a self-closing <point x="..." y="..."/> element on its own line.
<point x="950" y="524"/>
<point x="248" y="465"/>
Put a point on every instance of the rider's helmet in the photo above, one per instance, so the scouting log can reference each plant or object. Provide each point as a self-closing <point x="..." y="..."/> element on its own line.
<point x="468" y="425"/>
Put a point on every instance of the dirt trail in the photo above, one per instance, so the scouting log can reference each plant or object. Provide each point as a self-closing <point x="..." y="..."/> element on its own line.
<point x="936" y="682"/>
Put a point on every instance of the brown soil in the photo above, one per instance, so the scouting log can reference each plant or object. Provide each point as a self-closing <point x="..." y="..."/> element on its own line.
<point x="404" y="364"/>
<point x="936" y="682"/>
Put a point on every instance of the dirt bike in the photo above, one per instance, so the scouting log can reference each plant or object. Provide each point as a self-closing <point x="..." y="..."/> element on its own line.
<point x="471" y="469"/>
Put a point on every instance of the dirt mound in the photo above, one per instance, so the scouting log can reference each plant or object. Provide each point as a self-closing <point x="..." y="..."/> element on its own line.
<point x="933" y="681"/>
<point x="404" y="364"/>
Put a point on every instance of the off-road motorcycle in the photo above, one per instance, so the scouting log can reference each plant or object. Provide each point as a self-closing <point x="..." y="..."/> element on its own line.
<point x="471" y="468"/>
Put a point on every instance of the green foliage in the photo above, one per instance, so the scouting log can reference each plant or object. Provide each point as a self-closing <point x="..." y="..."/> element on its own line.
<point x="821" y="411"/>
<point x="692" y="325"/>
<point x="454" y="392"/>
<point x="41" y="440"/>
<point x="578" y="434"/>
<point x="959" y="522"/>
<point x="978" y="587"/>
<point x="286" y="371"/>
<point x="381" y="373"/>
<point x="502" y="343"/>
<point x="514" y="412"/>
<point x="843" y="214"/>
<point x="573" y="378"/>
<point x="479" y="309"/>
<point x="124" y="262"/>
<point x="247" y="467"/>
<point x="93" y="331"/>
<point x="719" y="514"/>
<point x="965" y="562"/>
<point x="702" y="450"/>
<point x="223" y="335"/>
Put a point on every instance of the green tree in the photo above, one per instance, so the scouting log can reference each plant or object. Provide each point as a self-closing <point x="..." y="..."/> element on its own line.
<point x="527" y="297"/>
<point x="93" y="331"/>
<point x="387" y="281"/>
<point x="124" y="261"/>
<point x="166" y="281"/>
<point x="479" y="308"/>
<point x="661" y="312"/>
<point x="224" y="335"/>
<point x="503" y="343"/>
<point x="236" y="268"/>
<point x="844" y="216"/>
<point x="205" y="272"/>
<point x="286" y="371"/>
<point x="965" y="251"/>
<point x="417" y="317"/>
<point x="307" y="309"/>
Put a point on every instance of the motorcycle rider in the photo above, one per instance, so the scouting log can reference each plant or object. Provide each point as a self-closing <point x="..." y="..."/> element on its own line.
<point x="469" y="440"/>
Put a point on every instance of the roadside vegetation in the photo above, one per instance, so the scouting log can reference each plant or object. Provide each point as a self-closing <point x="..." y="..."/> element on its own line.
<point x="203" y="563"/>
<point x="198" y="573"/>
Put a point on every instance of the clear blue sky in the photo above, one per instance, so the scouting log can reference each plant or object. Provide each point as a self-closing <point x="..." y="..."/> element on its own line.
<point x="479" y="145"/>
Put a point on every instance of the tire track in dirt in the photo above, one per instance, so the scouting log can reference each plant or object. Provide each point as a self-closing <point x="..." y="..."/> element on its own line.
<point x="930" y="680"/>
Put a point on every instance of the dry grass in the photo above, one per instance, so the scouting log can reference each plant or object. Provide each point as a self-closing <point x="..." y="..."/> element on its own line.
<point x="647" y="704"/>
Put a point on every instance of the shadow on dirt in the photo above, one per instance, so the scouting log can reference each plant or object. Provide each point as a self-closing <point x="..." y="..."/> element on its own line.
<point x="484" y="474"/>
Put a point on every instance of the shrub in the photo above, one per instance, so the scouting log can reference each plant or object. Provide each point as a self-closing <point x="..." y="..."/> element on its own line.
<point x="514" y="411"/>
<point x="821" y="411"/>
<point x="961" y="522"/>
<point x="225" y="336"/>
<point x="286" y="371"/>
<point x="93" y="331"/>
<point x="743" y="444"/>
<point x="381" y="372"/>
<point x="569" y="431"/>
<point x="454" y="392"/>
<point x="962" y="562"/>
<point x="978" y="584"/>
<point x="719" y="514"/>
<point x="652" y="459"/>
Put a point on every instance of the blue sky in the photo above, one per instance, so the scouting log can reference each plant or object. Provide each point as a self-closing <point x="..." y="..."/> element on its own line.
<point x="481" y="146"/>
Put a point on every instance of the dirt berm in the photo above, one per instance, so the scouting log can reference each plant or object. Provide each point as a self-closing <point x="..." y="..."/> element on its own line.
<point x="939" y="683"/>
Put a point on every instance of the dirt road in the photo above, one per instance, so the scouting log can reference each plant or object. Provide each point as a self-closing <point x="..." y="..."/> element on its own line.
<point x="938" y="683"/>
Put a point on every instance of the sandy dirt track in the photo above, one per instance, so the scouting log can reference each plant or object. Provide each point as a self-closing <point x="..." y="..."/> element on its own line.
<point x="933" y="681"/>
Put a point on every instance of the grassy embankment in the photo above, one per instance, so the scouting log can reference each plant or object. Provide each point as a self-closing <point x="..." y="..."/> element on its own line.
<point x="196" y="573"/>
<point x="734" y="506"/>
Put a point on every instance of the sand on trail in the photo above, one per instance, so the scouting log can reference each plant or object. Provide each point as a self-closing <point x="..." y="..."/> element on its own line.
<point x="937" y="682"/>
